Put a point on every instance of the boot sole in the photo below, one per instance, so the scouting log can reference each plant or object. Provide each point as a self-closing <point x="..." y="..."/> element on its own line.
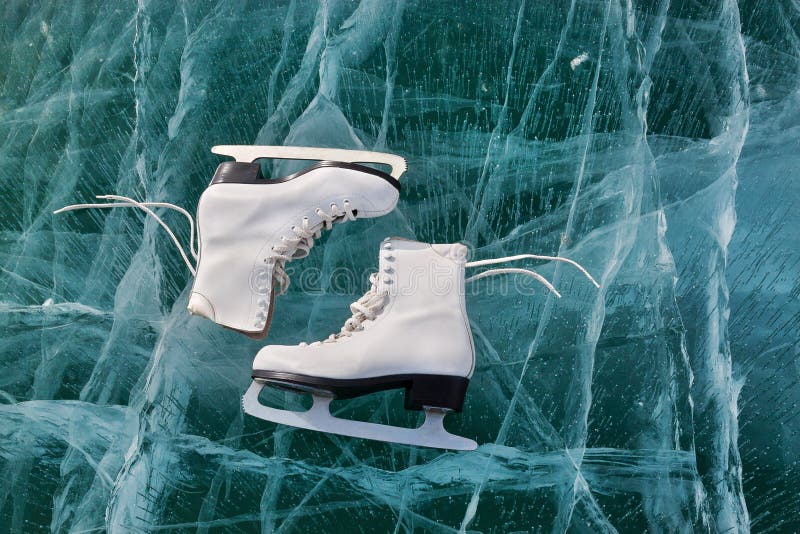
<point x="422" y="391"/>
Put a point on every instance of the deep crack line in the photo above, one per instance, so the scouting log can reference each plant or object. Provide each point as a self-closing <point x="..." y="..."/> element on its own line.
<point x="549" y="303"/>
<point x="476" y="214"/>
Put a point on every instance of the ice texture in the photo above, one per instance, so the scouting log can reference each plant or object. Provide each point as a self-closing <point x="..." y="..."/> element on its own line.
<point x="656" y="142"/>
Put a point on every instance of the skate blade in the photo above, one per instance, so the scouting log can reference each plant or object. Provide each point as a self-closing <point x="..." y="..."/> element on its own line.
<point x="250" y="153"/>
<point x="319" y="418"/>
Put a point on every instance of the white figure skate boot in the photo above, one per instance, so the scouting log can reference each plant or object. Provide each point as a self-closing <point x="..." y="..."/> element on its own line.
<point x="249" y="227"/>
<point x="417" y="297"/>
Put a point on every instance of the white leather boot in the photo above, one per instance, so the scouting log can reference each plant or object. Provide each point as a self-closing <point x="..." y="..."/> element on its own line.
<point x="249" y="227"/>
<point x="410" y="330"/>
<point x="417" y="297"/>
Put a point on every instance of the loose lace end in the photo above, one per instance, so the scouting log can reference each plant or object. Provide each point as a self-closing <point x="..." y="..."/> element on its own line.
<point x="527" y="272"/>
<point x="125" y="202"/>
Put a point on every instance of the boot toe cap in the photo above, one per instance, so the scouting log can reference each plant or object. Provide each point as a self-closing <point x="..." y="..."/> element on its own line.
<point x="282" y="358"/>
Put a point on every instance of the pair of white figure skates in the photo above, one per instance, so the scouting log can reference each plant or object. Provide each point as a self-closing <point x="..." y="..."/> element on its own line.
<point x="249" y="227"/>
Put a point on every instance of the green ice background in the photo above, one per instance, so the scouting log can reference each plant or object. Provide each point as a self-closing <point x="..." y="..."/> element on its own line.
<point x="656" y="142"/>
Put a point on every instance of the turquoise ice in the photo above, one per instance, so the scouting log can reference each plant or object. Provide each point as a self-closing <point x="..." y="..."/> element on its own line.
<point x="656" y="142"/>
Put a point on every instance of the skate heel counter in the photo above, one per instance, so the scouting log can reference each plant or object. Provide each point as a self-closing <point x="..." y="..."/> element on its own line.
<point x="456" y="254"/>
<point x="230" y="290"/>
<point x="234" y="295"/>
<point x="228" y="279"/>
<point x="201" y="306"/>
<point x="436" y="391"/>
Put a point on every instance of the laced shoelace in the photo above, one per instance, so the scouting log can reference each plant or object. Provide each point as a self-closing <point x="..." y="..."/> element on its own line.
<point x="298" y="246"/>
<point x="368" y="307"/>
<point x="289" y="248"/>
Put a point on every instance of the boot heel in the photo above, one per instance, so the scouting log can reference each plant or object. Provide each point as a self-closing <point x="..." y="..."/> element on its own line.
<point x="436" y="391"/>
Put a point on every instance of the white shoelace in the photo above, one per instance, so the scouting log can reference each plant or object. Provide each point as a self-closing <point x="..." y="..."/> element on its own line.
<point x="289" y="248"/>
<point x="298" y="246"/>
<point x="125" y="202"/>
<point x="368" y="307"/>
<point x="527" y="272"/>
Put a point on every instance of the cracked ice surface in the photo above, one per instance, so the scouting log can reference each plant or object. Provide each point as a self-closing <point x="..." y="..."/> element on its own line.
<point x="655" y="142"/>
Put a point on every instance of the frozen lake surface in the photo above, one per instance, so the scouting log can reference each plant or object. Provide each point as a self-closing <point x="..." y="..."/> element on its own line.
<point x="656" y="142"/>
